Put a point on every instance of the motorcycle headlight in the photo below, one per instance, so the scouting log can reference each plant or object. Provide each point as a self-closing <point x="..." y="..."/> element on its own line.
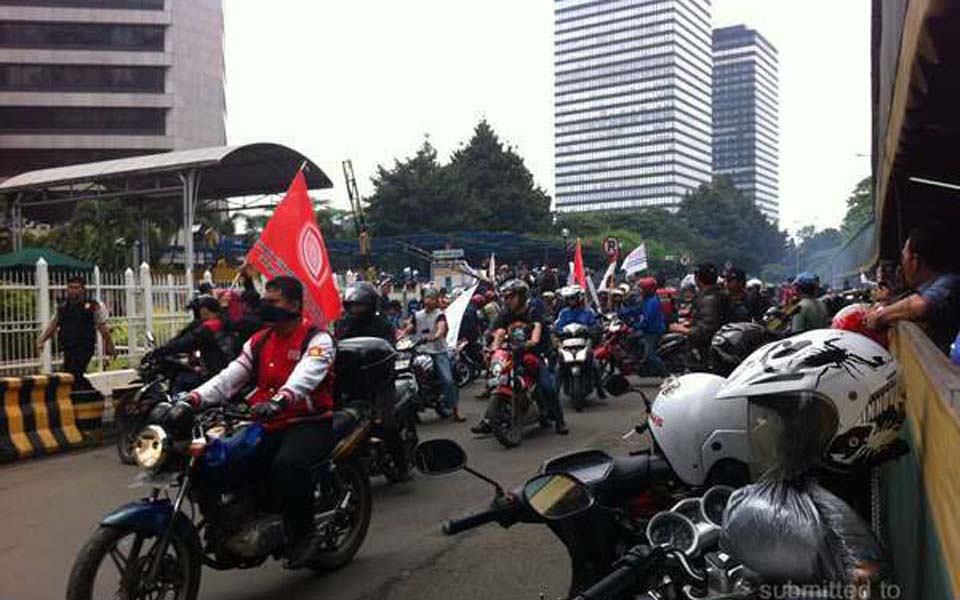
<point x="151" y="447"/>
<point x="496" y="369"/>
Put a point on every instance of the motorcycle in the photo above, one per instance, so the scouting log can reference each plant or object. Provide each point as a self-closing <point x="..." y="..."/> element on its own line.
<point x="417" y="367"/>
<point x="617" y="356"/>
<point x="514" y="394"/>
<point x="575" y="366"/>
<point x="155" y="377"/>
<point x="468" y="363"/>
<point x="206" y="460"/>
<point x="369" y="390"/>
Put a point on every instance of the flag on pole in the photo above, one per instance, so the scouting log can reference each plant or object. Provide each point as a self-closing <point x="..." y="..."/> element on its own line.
<point x="635" y="261"/>
<point x="291" y="244"/>
<point x="492" y="268"/>
<point x="454" y="315"/>
<point x="579" y="275"/>
<point x="607" y="281"/>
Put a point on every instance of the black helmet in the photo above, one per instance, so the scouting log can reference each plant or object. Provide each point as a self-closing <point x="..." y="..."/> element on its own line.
<point x="706" y="272"/>
<point x="736" y="341"/>
<point x="362" y="293"/>
<point x="516" y="286"/>
<point x="204" y="301"/>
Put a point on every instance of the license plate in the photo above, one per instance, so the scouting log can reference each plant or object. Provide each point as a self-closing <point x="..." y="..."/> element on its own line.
<point x="402" y="365"/>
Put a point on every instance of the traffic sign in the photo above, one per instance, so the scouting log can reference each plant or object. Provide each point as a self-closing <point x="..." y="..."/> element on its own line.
<point x="449" y="254"/>
<point x="685" y="260"/>
<point x="611" y="246"/>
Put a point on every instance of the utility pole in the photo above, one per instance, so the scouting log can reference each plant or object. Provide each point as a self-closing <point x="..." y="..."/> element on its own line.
<point x="359" y="221"/>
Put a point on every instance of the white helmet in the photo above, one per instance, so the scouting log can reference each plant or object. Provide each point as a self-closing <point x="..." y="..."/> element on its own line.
<point x="857" y="377"/>
<point x="688" y="282"/>
<point x="696" y="431"/>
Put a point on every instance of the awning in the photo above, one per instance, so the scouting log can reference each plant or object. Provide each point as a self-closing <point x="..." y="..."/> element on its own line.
<point x="28" y="257"/>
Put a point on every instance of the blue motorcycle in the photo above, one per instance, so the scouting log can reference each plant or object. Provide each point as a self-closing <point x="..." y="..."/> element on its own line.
<point x="208" y="507"/>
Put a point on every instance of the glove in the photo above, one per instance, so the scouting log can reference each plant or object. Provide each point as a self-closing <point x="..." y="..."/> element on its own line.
<point x="270" y="409"/>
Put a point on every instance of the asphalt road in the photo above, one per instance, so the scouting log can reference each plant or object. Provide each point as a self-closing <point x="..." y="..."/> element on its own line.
<point x="49" y="507"/>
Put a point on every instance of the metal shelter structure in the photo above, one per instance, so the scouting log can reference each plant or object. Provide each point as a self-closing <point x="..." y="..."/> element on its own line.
<point x="189" y="176"/>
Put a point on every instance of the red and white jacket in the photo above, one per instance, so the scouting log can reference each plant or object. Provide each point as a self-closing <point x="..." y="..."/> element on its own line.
<point x="297" y="366"/>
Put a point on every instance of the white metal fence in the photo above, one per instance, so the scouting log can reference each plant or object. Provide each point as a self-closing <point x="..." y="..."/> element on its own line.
<point x="136" y="302"/>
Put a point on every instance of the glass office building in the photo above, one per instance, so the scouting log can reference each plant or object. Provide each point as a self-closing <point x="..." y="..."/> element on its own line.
<point x="746" y="108"/>
<point x="89" y="80"/>
<point x="632" y="102"/>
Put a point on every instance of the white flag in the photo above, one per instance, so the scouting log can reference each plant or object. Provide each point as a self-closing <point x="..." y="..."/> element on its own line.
<point x="635" y="261"/>
<point x="607" y="280"/>
<point x="492" y="269"/>
<point x="454" y="315"/>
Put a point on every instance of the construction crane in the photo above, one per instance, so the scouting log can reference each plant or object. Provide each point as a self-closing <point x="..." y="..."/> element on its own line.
<point x="356" y="207"/>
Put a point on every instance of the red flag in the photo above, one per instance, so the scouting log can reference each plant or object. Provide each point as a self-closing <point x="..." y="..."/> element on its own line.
<point x="578" y="273"/>
<point x="291" y="244"/>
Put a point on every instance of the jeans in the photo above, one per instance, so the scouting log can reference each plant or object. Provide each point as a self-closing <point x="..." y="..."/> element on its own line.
<point x="451" y="394"/>
<point x="649" y="342"/>
<point x="548" y="392"/>
<point x="289" y="456"/>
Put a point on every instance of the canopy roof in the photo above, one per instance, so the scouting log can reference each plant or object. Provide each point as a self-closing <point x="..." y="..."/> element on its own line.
<point x="28" y="257"/>
<point x="223" y="171"/>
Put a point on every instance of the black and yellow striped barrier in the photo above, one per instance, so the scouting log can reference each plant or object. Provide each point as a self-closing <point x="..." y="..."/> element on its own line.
<point x="37" y="417"/>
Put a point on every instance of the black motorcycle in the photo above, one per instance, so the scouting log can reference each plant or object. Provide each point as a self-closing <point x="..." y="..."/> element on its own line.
<point x="418" y="367"/>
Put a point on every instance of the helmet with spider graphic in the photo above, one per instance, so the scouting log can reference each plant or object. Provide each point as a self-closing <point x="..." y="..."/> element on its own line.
<point x="824" y="393"/>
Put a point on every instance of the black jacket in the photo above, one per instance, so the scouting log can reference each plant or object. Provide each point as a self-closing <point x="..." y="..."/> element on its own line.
<point x="711" y="310"/>
<point x="376" y="326"/>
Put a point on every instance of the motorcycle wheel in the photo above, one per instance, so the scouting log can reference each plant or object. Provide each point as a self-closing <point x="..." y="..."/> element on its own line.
<point x="179" y="570"/>
<point x="126" y="438"/>
<point x="398" y="463"/>
<point x="505" y="426"/>
<point x="348" y="529"/>
<point x="462" y="373"/>
<point x="578" y="395"/>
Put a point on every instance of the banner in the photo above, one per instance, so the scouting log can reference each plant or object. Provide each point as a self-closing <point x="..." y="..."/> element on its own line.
<point x="454" y="315"/>
<point x="635" y="261"/>
<point x="291" y="244"/>
<point x="579" y="275"/>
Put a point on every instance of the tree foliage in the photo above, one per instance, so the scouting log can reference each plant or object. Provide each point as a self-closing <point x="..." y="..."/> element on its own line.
<point x="860" y="207"/>
<point x="485" y="186"/>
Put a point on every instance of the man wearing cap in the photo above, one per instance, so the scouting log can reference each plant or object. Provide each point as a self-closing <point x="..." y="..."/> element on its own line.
<point x="430" y="324"/>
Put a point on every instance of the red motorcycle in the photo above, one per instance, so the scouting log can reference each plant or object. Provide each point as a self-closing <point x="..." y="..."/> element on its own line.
<point x="513" y="385"/>
<point x="620" y="356"/>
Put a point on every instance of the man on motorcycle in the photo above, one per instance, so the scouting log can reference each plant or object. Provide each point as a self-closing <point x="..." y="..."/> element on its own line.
<point x="288" y="361"/>
<point x="517" y="309"/>
<point x="362" y="319"/>
<point x="208" y="335"/>
<point x="575" y="310"/>
<point x="431" y="325"/>
<point x="652" y="323"/>
<point x="711" y="309"/>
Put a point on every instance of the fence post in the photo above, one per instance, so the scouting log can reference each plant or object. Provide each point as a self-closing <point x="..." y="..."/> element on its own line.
<point x="43" y="311"/>
<point x="98" y="296"/>
<point x="130" y="289"/>
<point x="171" y="295"/>
<point x="146" y="282"/>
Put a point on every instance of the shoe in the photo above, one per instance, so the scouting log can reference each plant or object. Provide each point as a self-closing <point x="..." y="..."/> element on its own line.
<point x="458" y="418"/>
<point x="561" y="428"/>
<point x="481" y="428"/>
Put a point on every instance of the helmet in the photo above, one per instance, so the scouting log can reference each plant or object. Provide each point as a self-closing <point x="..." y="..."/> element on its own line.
<point x="362" y="293"/>
<point x="572" y="293"/>
<point x="477" y="300"/>
<point x="698" y="433"/>
<point x="489" y="296"/>
<point x="707" y="272"/>
<point x="734" y="342"/>
<point x="734" y="274"/>
<point x="689" y="282"/>
<point x="754" y="283"/>
<point x="624" y="289"/>
<point x="208" y="302"/>
<point x="806" y="282"/>
<point x="851" y="318"/>
<point x="516" y="286"/>
<point x="648" y="285"/>
<point x="548" y="295"/>
<point x="617" y="291"/>
<point x="847" y="373"/>
<point x="431" y="292"/>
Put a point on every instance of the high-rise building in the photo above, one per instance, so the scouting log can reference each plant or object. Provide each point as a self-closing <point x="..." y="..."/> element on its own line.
<point x="88" y="80"/>
<point x="746" y="108"/>
<point x="632" y="102"/>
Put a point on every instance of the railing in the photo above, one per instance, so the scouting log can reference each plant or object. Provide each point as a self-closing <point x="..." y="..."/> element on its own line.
<point x="921" y="492"/>
<point x="136" y="302"/>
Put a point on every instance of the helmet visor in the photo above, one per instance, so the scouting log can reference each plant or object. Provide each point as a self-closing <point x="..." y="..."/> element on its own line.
<point x="788" y="434"/>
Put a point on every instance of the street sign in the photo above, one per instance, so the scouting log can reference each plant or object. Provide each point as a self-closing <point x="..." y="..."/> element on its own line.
<point x="685" y="260"/>
<point x="611" y="246"/>
<point x="450" y="254"/>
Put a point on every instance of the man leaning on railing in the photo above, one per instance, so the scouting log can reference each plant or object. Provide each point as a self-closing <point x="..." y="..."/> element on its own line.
<point x="926" y="260"/>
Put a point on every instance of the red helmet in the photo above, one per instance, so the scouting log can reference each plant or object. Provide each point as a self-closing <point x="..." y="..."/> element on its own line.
<point x="478" y="299"/>
<point x="489" y="296"/>
<point x="648" y="285"/>
<point x="852" y="318"/>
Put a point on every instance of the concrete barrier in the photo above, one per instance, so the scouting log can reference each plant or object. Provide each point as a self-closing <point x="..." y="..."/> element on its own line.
<point x="37" y="417"/>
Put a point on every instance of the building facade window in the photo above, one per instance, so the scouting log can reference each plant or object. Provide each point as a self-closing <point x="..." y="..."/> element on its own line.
<point x="81" y="36"/>
<point x="127" y="4"/>
<point x="60" y="120"/>
<point x="81" y="78"/>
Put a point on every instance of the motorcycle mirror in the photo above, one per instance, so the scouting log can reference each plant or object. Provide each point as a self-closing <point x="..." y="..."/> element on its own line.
<point x="556" y="496"/>
<point x="617" y="385"/>
<point x="439" y="457"/>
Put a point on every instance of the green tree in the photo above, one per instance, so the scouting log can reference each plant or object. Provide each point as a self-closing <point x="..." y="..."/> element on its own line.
<point x="860" y="206"/>
<point x="407" y="198"/>
<point x="726" y="226"/>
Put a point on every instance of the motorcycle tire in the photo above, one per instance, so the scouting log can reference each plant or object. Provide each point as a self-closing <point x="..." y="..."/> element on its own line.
<point x="578" y="394"/>
<point x="126" y="438"/>
<point x="462" y="373"/>
<point x="350" y="477"/>
<point x="97" y="551"/>
<point x="398" y="468"/>
<point x="505" y="426"/>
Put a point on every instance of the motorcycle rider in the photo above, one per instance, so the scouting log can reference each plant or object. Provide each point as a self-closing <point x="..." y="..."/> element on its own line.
<point x="653" y="324"/>
<point x="431" y="324"/>
<point x="741" y="311"/>
<point x="289" y="361"/>
<point x="576" y="311"/>
<point x="207" y="334"/>
<point x="711" y="309"/>
<point x="517" y="308"/>
<point x="362" y="319"/>
<point x="811" y="312"/>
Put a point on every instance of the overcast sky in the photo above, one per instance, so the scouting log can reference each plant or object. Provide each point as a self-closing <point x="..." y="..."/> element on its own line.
<point x="367" y="79"/>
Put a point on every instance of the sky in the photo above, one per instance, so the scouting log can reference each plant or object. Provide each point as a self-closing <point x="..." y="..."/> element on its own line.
<point x="367" y="80"/>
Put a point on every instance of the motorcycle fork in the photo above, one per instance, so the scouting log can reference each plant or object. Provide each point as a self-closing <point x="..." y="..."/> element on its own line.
<point x="165" y="538"/>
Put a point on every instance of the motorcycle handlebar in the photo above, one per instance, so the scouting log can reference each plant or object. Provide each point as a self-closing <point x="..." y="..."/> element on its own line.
<point x="611" y="585"/>
<point x="455" y="526"/>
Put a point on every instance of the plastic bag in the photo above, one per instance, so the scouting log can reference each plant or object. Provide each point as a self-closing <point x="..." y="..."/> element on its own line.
<point x="798" y="532"/>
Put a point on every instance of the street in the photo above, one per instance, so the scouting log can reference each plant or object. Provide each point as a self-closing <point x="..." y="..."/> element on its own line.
<point x="49" y="507"/>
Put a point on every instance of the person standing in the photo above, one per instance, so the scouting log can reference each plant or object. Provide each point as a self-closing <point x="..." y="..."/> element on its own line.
<point x="431" y="325"/>
<point x="76" y="323"/>
<point x="811" y="311"/>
